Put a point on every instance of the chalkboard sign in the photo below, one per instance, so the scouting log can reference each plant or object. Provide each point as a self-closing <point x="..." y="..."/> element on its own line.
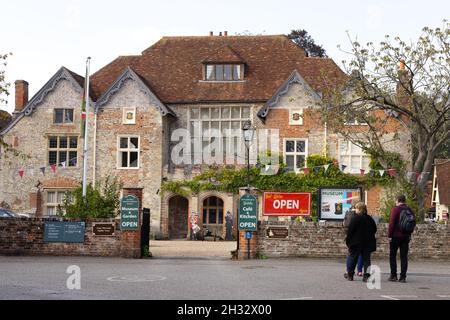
<point x="72" y="232"/>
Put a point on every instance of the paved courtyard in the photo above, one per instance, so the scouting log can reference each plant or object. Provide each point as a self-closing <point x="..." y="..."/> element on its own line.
<point x="193" y="249"/>
<point x="198" y="271"/>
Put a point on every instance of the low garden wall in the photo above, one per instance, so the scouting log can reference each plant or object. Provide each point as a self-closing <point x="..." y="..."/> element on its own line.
<point x="311" y="239"/>
<point x="26" y="237"/>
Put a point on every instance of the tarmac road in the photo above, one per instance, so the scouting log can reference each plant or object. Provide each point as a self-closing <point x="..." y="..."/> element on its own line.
<point x="212" y="278"/>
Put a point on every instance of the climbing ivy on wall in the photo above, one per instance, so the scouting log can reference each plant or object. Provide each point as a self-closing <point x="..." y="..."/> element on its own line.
<point x="230" y="180"/>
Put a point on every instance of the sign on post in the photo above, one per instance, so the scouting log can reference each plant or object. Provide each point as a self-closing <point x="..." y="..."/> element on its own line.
<point x="129" y="213"/>
<point x="248" y="213"/>
<point x="71" y="232"/>
<point x="287" y="204"/>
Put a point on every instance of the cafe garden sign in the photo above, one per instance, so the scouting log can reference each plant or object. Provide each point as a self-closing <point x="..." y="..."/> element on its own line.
<point x="248" y="213"/>
<point x="129" y="213"/>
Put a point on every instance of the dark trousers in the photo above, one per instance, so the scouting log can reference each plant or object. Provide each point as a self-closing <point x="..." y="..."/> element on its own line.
<point x="353" y="256"/>
<point x="403" y="245"/>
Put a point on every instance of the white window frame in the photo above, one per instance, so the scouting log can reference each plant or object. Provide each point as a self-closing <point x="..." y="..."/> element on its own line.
<point x="295" y="153"/>
<point x="55" y="203"/>
<point x="351" y="154"/>
<point x="64" y="116"/>
<point x="214" y="65"/>
<point x="296" y="122"/>
<point x="435" y="191"/>
<point x="120" y="150"/>
<point x="124" y="113"/>
<point x="58" y="150"/>
<point x="221" y="120"/>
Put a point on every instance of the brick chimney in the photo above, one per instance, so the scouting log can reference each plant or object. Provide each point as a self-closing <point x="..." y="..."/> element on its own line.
<point x="211" y="33"/>
<point x="21" y="95"/>
<point x="225" y="33"/>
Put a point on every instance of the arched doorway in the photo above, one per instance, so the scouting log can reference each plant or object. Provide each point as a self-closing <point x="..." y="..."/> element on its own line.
<point x="213" y="217"/>
<point x="178" y="217"/>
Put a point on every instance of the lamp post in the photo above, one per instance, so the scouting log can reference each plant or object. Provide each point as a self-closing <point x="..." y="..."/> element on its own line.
<point x="248" y="132"/>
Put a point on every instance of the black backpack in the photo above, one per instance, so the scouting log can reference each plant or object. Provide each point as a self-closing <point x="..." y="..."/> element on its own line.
<point x="407" y="221"/>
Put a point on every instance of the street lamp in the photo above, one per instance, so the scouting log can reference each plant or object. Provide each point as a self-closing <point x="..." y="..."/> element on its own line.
<point x="248" y="131"/>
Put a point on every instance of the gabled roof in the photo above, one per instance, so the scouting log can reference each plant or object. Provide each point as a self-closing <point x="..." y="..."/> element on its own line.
<point x="295" y="77"/>
<point x="129" y="74"/>
<point x="62" y="74"/>
<point x="174" y="68"/>
<point x="443" y="180"/>
<point x="224" y="55"/>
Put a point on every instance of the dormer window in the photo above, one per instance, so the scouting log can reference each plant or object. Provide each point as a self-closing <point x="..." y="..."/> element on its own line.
<point x="223" y="72"/>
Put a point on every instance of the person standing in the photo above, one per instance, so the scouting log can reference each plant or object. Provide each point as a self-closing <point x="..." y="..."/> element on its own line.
<point x="361" y="240"/>
<point x="229" y="226"/>
<point x="401" y="224"/>
<point x="348" y="217"/>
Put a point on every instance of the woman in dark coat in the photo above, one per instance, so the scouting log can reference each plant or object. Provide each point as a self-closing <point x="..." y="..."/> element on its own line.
<point x="361" y="240"/>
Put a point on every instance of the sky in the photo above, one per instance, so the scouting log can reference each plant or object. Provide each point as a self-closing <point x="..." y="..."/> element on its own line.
<point x="47" y="34"/>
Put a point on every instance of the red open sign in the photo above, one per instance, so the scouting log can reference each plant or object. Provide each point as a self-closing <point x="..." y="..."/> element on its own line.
<point x="287" y="204"/>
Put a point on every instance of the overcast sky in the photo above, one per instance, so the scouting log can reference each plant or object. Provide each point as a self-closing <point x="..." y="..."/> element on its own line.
<point x="47" y="34"/>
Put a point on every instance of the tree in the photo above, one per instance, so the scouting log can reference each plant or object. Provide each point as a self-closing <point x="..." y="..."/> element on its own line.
<point x="302" y="39"/>
<point x="4" y="116"/>
<point x="404" y="83"/>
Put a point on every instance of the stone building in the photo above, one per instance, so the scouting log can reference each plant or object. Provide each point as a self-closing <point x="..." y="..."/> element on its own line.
<point x="139" y="102"/>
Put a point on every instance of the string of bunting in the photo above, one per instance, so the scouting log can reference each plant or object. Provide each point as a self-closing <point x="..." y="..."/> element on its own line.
<point x="30" y="170"/>
<point x="392" y="172"/>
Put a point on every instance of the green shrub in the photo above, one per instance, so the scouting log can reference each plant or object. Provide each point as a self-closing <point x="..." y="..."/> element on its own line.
<point x="101" y="202"/>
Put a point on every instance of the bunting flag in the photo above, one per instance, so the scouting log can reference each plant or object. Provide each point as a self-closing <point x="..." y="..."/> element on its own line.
<point x="316" y="169"/>
<point x="63" y="164"/>
<point x="73" y="162"/>
<point x="326" y="167"/>
<point x="21" y="172"/>
<point x="410" y="175"/>
<point x="306" y="170"/>
<point x="42" y="170"/>
<point x="381" y="172"/>
<point x="343" y="167"/>
<point x="391" y="172"/>
<point x="53" y="166"/>
<point x="371" y="173"/>
<point x="361" y="172"/>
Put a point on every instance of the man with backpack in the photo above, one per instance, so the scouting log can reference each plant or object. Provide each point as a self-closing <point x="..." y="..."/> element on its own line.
<point x="402" y="223"/>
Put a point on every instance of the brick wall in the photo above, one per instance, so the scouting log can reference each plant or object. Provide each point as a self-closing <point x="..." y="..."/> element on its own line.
<point x="26" y="237"/>
<point x="314" y="240"/>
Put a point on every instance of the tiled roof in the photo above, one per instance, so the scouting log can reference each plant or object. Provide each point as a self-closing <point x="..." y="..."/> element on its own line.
<point x="443" y="180"/>
<point x="172" y="68"/>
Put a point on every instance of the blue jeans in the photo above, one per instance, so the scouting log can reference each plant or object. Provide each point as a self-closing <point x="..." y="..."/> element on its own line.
<point x="359" y="265"/>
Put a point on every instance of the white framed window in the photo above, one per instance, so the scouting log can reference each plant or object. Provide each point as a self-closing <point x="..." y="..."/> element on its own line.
<point x="223" y="119"/>
<point x="54" y="199"/>
<point x="435" y="193"/>
<point x="128" y="148"/>
<point x="223" y="72"/>
<point x="63" y="116"/>
<point x="353" y="157"/>
<point x="129" y="116"/>
<point x="63" y="151"/>
<point x="296" y="116"/>
<point x="295" y="153"/>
